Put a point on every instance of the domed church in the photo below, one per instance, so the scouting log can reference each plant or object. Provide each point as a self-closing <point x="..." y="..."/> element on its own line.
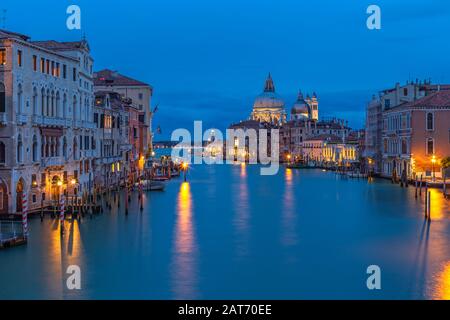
<point x="269" y="106"/>
<point x="305" y="109"/>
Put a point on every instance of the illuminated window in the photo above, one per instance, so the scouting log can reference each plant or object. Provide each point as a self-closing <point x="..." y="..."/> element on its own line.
<point x="35" y="63"/>
<point x="42" y="65"/>
<point x="2" y="57"/>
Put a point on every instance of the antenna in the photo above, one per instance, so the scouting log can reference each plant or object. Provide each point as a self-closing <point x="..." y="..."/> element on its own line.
<point x="3" y="19"/>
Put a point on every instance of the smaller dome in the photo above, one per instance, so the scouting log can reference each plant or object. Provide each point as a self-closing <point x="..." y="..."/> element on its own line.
<point x="300" y="107"/>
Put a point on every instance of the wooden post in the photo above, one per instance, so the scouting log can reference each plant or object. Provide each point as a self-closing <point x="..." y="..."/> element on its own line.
<point x="421" y="182"/>
<point x="416" y="187"/>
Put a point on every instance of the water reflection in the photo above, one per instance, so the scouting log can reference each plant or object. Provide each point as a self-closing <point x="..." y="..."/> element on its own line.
<point x="241" y="206"/>
<point x="184" y="271"/>
<point x="442" y="290"/>
<point x="289" y="235"/>
<point x="439" y="206"/>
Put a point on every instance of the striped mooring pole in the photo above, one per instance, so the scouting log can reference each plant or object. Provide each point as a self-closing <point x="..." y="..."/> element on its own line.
<point x="25" y="215"/>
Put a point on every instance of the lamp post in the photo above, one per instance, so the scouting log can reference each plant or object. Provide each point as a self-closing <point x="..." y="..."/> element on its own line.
<point x="185" y="167"/>
<point x="433" y="161"/>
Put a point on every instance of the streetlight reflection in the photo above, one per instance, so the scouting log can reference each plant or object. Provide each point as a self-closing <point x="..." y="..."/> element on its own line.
<point x="184" y="255"/>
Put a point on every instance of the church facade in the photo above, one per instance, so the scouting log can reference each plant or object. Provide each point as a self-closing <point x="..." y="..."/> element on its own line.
<point x="269" y="107"/>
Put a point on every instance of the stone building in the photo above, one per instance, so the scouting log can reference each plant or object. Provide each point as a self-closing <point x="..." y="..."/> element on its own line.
<point x="416" y="137"/>
<point x="46" y="125"/>
<point x="140" y="94"/>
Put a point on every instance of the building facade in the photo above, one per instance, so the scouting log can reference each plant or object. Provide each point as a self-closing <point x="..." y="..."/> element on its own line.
<point x="416" y="136"/>
<point x="140" y="94"/>
<point x="46" y="125"/>
<point x="269" y="106"/>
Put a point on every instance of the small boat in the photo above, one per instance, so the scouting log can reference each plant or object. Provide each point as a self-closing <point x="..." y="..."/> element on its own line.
<point x="154" y="185"/>
<point x="160" y="178"/>
<point x="157" y="186"/>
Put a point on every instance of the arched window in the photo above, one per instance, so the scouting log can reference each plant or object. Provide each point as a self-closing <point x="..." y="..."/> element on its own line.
<point x="19" y="99"/>
<point x="430" y="146"/>
<point x="35" y="101"/>
<point x="57" y="108"/>
<point x="430" y="121"/>
<point x="2" y="97"/>
<point x="75" y="149"/>
<point x="42" y="102"/>
<point x="47" y="109"/>
<point x="65" y="147"/>
<point x="64" y="106"/>
<point x="74" y="108"/>
<point x="2" y="153"/>
<point x="52" y="112"/>
<point x="35" y="149"/>
<point x="19" y="149"/>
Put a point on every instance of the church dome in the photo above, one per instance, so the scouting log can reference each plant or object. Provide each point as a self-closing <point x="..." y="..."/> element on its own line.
<point x="268" y="99"/>
<point x="300" y="107"/>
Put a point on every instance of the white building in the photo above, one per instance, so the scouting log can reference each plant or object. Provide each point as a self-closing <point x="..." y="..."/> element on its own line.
<point x="46" y="125"/>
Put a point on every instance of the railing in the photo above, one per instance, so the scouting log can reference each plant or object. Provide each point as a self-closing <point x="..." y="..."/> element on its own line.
<point x="50" y="121"/>
<point x="52" y="161"/>
<point x="21" y="118"/>
<point x="3" y="119"/>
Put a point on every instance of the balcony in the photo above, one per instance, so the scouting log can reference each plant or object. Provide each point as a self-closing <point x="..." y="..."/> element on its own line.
<point x="52" y="161"/>
<point x="21" y="119"/>
<point x="109" y="160"/>
<point x="3" y="119"/>
<point x="48" y="121"/>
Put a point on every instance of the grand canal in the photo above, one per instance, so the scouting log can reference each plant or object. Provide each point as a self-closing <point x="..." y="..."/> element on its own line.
<point x="231" y="233"/>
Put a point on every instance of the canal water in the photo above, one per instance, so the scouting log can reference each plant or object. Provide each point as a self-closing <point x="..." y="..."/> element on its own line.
<point x="230" y="233"/>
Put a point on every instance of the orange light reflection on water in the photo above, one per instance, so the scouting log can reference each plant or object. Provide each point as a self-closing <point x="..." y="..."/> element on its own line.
<point x="184" y="257"/>
<point x="442" y="290"/>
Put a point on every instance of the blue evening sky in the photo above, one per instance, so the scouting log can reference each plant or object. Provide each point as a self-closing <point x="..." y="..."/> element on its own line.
<point x="207" y="59"/>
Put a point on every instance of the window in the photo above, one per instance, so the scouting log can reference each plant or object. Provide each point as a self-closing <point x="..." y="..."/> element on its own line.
<point x="141" y="96"/>
<point x="2" y="98"/>
<point x="19" y="57"/>
<point x="64" y="71"/>
<point x="53" y="69"/>
<point x="430" y="121"/>
<point x="2" y="153"/>
<point x="387" y="103"/>
<point x="430" y="146"/>
<point x="35" y="63"/>
<point x="19" y="150"/>
<point x="2" y="57"/>
<point x="405" y="91"/>
<point x="57" y="70"/>
<point x="74" y="74"/>
<point x="96" y="119"/>
<point x="404" y="147"/>
<point x="48" y="66"/>
<point x="33" y="181"/>
<point x="43" y="178"/>
<point x="42" y="65"/>
<point x="35" y="149"/>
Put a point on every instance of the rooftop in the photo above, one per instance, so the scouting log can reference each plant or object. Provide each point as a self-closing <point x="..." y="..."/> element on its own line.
<point x="113" y="78"/>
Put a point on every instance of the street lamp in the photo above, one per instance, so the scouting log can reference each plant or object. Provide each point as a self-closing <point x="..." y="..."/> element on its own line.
<point x="433" y="161"/>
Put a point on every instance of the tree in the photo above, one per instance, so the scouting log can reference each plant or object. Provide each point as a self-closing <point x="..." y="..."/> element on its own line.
<point x="445" y="163"/>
